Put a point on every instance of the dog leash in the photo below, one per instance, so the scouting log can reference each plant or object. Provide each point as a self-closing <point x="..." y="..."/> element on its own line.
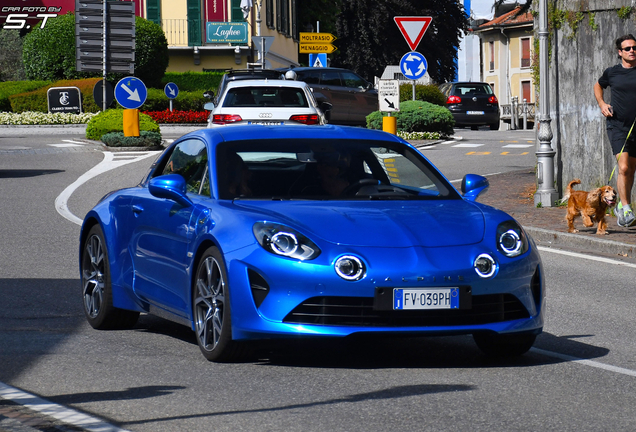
<point x="621" y="152"/>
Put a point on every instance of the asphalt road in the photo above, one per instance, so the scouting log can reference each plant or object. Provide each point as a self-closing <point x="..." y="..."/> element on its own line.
<point x="580" y="376"/>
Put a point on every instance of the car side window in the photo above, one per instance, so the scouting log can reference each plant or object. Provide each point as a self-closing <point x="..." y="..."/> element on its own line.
<point x="190" y="160"/>
<point x="311" y="77"/>
<point x="331" y="78"/>
<point x="352" y="80"/>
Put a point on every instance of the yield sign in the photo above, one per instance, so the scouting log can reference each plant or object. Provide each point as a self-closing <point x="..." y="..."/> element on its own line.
<point x="413" y="28"/>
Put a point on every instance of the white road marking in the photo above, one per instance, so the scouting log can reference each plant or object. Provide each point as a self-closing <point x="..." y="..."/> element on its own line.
<point x="589" y="257"/>
<point x="74" y="142"/>
<point x="65" y="145"/>
<point x="58" y="412"/>
<point x="449" y="142"/>
<point x="61" y="202"/>
<point x="468" y="145"/>
<point x="518" y="145"/>
<point x="590" y="363"/>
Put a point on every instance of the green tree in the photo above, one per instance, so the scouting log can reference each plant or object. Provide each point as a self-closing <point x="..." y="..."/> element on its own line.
<point x="11" y="66"/>
<point x="369" y="40"/>
<point x="310" y="13"/>
<point x="49" y="52"/>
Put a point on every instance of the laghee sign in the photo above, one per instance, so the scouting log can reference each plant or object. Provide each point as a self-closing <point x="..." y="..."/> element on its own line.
<point x="316" y="43"/>
<point x="226" y="32"/>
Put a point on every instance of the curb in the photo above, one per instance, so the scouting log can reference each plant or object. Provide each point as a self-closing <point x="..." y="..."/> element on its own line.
<point x="548" y="238"/>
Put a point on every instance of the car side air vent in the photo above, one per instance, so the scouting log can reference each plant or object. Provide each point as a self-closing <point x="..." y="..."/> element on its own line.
<point x="259" y="287"/>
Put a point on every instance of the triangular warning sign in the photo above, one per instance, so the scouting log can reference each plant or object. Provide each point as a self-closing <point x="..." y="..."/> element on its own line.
<point x="413" y="28"/>
<point x="318" y="63"/>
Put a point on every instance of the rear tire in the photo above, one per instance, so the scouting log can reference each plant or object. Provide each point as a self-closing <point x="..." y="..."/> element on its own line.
<point x="96" y="286"/>
<point x="474" y="128"/>
<point x="504" y="345"/>
<point x="211" y="310"/>
<point x="494" y="126"/>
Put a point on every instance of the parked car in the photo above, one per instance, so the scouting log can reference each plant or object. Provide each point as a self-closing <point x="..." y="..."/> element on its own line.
<point x="258" y="232"/>
<point x="472" y="104"/>
<point x="353" y="98"/>
<point x="242" y="74"/>
<point x="270" y="102"/>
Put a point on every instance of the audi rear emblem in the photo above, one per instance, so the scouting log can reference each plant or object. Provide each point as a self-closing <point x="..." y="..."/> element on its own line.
<point x="265" y="115"/>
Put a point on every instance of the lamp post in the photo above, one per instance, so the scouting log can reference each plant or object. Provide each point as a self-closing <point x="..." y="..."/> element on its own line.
<point x="546" y="194"/>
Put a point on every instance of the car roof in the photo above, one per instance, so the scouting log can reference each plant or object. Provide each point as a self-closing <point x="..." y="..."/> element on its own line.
<point x="307" y="68"/>
<point x="327" y="132"/>
<point x="266" y="82"/>
<point x="246" y="73"/>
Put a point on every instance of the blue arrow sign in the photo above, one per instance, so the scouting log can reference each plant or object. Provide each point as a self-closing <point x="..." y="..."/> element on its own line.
<point x="413" y="65"/>
<point x="131" y="92"/>
<point x="171" y="90"/>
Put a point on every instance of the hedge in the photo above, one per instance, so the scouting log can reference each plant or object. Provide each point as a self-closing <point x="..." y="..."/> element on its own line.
<point x="145" y="139"/>
<point x="112" y="120"/>
<point x="36" y="100"/>
<point x="194" y="81"/>
<point x="427" y="93"/>
<point x="10" y="88"/>
<point x="417" y="116"/>
<point x="185" y="101"/>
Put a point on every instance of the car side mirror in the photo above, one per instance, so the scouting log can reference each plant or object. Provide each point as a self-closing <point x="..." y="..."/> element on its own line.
<point x="326" y="107"/>
<point x="170" y="186"/>
<point x="473" y="185"/>
<point x="208" y="94"/>
<point x="209" y="106"/>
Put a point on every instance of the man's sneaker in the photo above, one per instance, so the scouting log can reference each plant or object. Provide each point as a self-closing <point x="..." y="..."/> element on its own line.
<point x="628" y="218"/>
<point x="620" y="218"/>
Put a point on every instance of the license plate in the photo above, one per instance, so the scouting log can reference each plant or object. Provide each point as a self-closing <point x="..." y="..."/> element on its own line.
<point x="475" y="112"/>
<point x="425" y="298"/>
<point x="266" y="123"/>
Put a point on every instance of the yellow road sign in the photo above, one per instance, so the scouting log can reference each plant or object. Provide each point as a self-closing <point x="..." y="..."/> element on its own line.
<point x="316" y="48"/>
<point x="316" y="37"/>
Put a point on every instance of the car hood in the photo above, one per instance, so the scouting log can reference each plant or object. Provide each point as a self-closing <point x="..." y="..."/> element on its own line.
<point x="379" y="223"/>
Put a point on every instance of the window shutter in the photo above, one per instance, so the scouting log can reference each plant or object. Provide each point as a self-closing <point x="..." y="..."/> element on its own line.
<point x="194" y="23"/>
<point x="237" y="13"/>
<point x="153" y="11"/>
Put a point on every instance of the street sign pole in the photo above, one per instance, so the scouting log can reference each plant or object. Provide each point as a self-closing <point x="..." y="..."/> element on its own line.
<point x="105" y="18"/>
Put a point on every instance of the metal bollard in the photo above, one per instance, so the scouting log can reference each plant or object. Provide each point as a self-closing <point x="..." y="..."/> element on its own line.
<point x="525" y="114"/>
<point x="513" y="113"/>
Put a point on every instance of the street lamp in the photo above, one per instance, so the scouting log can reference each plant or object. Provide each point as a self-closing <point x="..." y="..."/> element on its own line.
<point x="546" y="195"/>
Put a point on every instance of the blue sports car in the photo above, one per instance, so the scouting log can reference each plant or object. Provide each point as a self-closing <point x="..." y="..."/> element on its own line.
<point x="261" y="232"/>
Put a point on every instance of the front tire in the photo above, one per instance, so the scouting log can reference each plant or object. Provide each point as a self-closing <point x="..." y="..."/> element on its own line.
<point x="97" y="291"/>
<point x="211" y="310"/>
<point x="504" y="345"/>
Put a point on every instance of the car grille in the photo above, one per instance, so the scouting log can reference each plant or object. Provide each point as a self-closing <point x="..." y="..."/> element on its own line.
<point x="358" y="311"/>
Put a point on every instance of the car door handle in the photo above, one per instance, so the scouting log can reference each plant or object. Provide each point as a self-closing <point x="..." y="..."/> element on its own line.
<point x="137" y="209"/>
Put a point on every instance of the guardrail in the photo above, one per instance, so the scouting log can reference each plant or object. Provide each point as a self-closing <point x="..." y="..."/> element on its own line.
<point x="525" y="113"/>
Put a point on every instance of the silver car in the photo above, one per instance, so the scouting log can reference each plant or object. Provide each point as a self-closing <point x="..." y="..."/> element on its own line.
<point x="267" y="102"/>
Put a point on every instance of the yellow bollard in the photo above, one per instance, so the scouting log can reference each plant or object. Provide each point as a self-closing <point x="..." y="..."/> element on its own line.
<point x="389" y="124"/>
<point x="131" y="122"/>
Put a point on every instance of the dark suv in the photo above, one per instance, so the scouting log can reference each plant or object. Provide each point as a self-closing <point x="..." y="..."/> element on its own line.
<point x="472" y="104"/>
<point x="352" y="97"/>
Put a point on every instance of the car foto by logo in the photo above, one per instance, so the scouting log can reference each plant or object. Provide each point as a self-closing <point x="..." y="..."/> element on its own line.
<point x="17" y="16"/>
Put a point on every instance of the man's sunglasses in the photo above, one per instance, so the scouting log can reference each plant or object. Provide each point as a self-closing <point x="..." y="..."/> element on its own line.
<point x="629" y="48"/>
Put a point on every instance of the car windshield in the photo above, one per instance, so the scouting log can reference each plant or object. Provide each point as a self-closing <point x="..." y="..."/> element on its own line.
<point x="265" y="97"/>
<point x="327" y="170"/>
<point x="472" y="90"/>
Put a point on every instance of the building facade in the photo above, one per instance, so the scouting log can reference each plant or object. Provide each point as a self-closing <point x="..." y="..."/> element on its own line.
<point x="208" y="35"/>
<point x="507" y="44"/>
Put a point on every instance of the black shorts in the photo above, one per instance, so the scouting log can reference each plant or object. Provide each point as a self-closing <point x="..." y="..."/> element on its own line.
<point x="617" y="139"/>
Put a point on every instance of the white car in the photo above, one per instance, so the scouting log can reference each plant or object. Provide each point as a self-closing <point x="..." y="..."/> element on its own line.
<point x="267" y="102"/>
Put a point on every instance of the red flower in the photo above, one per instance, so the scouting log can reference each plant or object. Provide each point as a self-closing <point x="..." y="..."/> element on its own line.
<point x="178" y="116"/>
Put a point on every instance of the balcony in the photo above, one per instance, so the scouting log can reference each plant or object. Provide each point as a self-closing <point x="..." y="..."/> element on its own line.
<point x="182" y="32"/>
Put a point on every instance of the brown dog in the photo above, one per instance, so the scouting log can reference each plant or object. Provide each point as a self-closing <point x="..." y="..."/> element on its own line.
<point x="591" y="206"/>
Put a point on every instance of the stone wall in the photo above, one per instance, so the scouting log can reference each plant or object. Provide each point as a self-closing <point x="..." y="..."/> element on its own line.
<point x="577" y="61"/>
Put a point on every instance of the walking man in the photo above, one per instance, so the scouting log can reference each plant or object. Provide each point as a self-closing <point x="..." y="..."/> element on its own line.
<point x="620" y="114"/>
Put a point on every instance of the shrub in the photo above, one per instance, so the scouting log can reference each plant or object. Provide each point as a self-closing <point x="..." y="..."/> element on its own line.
<point x="11" y="88"/>
<point x="112" y="120"/>
<point x="427" y="93"/>
<point x="38" y="118"/>
<point x="178" y="116"/>
<point x="417" y="116"/>
<point x="145" y="139"/>
<point x="36" y="100"/>
<point x="151" y="52"/>
<point x="193" y="81"/>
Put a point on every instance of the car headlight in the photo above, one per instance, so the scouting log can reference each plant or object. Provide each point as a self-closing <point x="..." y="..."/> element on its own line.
<point x="511" y="239"/>
<point x="284" y="241"/>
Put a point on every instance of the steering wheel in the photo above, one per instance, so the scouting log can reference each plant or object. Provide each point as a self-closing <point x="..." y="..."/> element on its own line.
<point x="354" y="187"/>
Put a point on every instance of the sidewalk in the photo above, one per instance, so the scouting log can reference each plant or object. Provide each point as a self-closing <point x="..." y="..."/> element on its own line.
<point x="513" y="193"/>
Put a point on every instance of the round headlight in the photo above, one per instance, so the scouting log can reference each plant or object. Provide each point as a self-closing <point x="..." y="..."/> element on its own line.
<point x="350" y="268"/>
<point x="485" y="265"/>
<point x="284" y="243"/>
<point x="510" y="242"/>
